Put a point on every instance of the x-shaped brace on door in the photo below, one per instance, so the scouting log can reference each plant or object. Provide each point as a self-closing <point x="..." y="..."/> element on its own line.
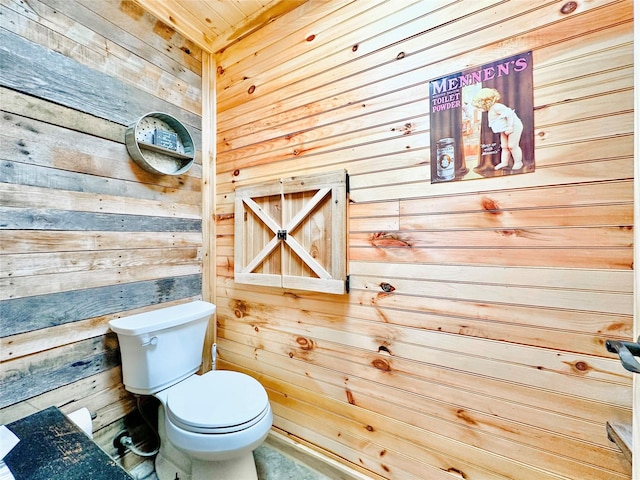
<point x="282" y="236"/>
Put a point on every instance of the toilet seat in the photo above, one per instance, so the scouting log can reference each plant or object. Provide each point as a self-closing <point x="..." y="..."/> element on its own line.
<point x="220" y="401"/>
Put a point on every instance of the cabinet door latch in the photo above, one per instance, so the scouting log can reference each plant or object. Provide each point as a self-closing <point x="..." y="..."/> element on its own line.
<point x="282" y="234"/>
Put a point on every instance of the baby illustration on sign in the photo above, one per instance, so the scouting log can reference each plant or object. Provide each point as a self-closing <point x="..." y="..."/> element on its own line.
<point x="502" y="120"/>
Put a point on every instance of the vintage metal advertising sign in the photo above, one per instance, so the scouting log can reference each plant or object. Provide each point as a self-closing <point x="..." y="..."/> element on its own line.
<point x="482" y="121"/>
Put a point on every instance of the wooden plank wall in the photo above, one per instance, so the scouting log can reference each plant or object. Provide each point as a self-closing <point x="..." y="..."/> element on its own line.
<point x="471" y="344"/>
<point x="86" y="235"/>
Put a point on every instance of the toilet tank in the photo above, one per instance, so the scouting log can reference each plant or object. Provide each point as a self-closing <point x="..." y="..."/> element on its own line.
<point x="161" y="347"/>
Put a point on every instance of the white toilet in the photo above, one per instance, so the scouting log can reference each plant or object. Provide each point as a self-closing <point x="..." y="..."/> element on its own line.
<point x="208" y="424"/>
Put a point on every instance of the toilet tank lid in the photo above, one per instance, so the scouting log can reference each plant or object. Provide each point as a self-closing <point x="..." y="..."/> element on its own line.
<point x="162" y="318"/>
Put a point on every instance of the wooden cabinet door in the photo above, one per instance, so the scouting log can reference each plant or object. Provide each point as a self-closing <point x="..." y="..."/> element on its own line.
<point x="292" y="233"/>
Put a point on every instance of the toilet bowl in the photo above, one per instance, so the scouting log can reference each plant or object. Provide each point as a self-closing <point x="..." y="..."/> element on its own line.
<point x="208" y="424"/>
<point x="217" y="416"/>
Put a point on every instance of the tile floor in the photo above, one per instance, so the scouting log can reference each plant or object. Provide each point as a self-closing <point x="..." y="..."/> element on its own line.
<point x="270" y="464"/>
<point x="273" y="465"/>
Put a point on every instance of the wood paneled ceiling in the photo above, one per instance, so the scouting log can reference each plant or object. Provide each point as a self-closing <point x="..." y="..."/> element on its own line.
<point x="215" y="24"/>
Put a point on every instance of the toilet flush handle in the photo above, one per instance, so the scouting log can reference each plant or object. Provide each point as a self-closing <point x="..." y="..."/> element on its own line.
<point x="152" y="342"/>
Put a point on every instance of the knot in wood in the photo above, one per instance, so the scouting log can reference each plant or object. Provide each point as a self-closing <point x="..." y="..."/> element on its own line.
<point x="350" y="397"/>
<point x="387" y="287"/>
<point x="463" y="415"/>
<point x="252" y="89"/>
<point x="490" y="205"/>
<point x="381" y="364"/>
<point x="239" y="308"/>
<point x="582" y="366"/>
<point x="455" y="471"/>
<point x="569" y="7"/>
<point x="310" y="38"/>
<point x="305" y="343"/>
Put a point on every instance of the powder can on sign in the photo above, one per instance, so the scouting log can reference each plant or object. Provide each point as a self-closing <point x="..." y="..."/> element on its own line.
<point x="446" y="166"/>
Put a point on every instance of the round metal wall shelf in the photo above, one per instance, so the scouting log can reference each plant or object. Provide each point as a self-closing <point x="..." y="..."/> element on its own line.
<point x="160" y="144"/>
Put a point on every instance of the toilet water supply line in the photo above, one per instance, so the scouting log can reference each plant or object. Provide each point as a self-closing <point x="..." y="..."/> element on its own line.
<point x="126" y="442"/>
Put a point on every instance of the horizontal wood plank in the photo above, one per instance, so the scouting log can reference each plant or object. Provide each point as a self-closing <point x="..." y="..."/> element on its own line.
<point x="50" y="219"/>
<point x="36" y="374"/>
<point x="378" y="423"/>
<point x="22" y="196"/>
<point x="52" y="28"/>
<point x="66" y="397"/>
<point x="23" y="265"/>
<point x="42" y="311"/>
<point x="39" y="143"/>
<point x="23" y="344"/>
<point x="19" y="241"/>
<point x="25" y="65"/>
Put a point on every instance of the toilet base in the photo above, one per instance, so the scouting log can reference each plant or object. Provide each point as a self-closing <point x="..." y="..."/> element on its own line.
<point x="239" y="468"/>
<point x="172" y="463"/>
<point x="168" y="470"/>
